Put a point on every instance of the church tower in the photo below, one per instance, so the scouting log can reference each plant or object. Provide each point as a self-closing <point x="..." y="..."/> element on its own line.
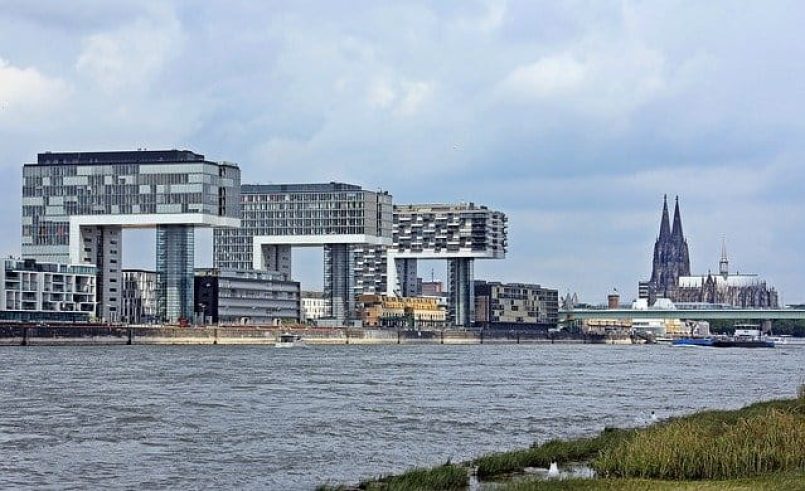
<point x="671" y="257"/>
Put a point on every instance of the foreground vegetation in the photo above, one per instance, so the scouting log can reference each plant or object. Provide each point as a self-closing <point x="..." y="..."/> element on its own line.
<point x="761" y="446"/>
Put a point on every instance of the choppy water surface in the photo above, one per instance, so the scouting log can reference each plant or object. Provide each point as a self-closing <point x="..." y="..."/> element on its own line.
<point x="263" y="418"/>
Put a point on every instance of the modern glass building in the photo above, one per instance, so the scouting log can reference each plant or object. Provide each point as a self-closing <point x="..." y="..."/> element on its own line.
<point x="335" y="216"/>
<point x="75" y="205"/>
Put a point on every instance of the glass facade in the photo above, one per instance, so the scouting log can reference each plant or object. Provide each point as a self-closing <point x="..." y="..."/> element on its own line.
<point x="75" y="205"/>
<point x="175" y="254"/>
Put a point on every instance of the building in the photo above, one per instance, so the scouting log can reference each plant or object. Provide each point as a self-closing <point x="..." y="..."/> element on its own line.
<point x="409" y="312"/>
<point x="457" y="233"/>
<point x="139" y="297"/>
<point x="671" y="277"/>
<point x="432" y="289"/>
<point x="335" y="216"/>
<point x="253" y="297"/>
<point x="314" y="306"/>
<point x="40" y="291"/>
<point x="515" y="306"/>
<point x="735" y="289"/>
<point x="75" y="206"/>
<point x="671" y="257"/>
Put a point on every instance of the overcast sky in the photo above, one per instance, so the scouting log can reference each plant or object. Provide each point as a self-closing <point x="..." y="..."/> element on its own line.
<point x="572" y="117"/>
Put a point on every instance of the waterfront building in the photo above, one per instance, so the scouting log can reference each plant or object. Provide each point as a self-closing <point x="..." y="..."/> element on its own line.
<point x="225" y="296"/>
<point x="314" y="306"/>
<point x="671" y="277"/>
<point x="335" y="216"/>
<point x="457" y="233"/>
<point x="36" y="291"/>
<point x="76" y="204"/>
<point x="433" y="289"/>
<point x="515" y="306"/>
<point x="139" y="297"/>
<point x="410" y="312"/>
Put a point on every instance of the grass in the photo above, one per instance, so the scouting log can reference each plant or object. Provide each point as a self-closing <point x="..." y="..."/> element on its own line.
<point x="792" y="482"/>
<point x="502" y="463"/>
<point x="760" y="439"/>
<point x="761" y="446"/>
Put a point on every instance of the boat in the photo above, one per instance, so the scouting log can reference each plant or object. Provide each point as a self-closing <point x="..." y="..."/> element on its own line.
<point x="289" y="341"/>
<point x="693" y="342"/>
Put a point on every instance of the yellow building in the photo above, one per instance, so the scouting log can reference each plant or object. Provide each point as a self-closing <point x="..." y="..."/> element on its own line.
<point x="385" y="311"/>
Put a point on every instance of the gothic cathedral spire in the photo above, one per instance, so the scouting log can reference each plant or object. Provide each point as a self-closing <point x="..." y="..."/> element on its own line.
<point x="665" y="229"/>
<point x="677" y="230"/>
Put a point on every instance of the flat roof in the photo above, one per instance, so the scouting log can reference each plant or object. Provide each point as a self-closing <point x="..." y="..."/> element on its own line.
<point x="297" y="188"/>
<point x="122" y="157"/>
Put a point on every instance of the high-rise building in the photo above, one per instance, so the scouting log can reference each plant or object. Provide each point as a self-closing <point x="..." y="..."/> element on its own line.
<point x="335" y="216"/>
<point x="76" y="204"/>
<point x="457" y="233"/>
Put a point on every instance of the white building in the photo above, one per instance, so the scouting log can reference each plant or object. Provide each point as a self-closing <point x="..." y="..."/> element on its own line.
<point x="34" y="291"/>
<point x="314" y="306"/>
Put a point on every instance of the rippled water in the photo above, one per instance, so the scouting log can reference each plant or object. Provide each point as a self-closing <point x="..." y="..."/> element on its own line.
<point x="263" y="418"/>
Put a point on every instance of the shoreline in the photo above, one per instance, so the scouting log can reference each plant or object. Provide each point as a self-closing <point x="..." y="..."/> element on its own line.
<point x="760" y="446"/>
<point x="101" y="335"/>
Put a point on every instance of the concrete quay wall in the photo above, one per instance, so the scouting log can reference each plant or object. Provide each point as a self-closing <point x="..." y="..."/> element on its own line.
<point x="18" y="335"/>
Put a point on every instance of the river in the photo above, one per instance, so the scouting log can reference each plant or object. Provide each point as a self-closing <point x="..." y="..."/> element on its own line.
<point x="256" y="417"/>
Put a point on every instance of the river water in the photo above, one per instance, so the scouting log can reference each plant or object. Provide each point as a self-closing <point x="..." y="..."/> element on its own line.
<point x="256" y="417"/>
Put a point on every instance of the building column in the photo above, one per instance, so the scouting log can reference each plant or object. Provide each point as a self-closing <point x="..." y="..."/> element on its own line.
<point x="339" y="281"/>
<point x="175" y="257"/>
<point x="462" y="294"/>
<point x="276" y="258"/>
<point x="103" y="247"/>
<point x="406" y="275"/>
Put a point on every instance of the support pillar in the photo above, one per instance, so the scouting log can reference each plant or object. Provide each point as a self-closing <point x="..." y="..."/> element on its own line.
<point x="339" y="281"/>
<point x="462" y="292"/>
<point x="406" y="275"/>
<point x="175" y="257"/>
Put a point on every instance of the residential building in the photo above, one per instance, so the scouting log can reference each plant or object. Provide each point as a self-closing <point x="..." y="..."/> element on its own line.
<point x="139" y="305"/>
<point x="335" y="216"/>
<point x="515" y="305"/>
<point x="76" y="204"/>
<point x="225" y="296"/>
<point x="41" y="291"/>
<point x="411" y="312"/>
<point x="457" y="233"/>
<point x="314" y="306"/>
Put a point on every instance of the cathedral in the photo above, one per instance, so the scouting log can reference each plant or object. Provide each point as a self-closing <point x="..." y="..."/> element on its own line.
<point x="671" y="277"/>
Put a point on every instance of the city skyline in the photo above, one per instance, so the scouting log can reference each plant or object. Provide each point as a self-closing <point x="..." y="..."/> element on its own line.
<point x="581" y="119"/>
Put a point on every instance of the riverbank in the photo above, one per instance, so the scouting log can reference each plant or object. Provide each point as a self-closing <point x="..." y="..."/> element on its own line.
<point x="761" y="446"/>
<point x="102" y="335"/>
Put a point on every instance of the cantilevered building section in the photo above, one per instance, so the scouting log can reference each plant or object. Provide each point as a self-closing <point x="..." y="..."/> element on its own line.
<point x="458" y="233"/>
<point x="335" y="216"/>
<point x="75" y="205"/>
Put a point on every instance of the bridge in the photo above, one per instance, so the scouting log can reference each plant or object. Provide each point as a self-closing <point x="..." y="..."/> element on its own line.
<point x="684" y="314"/>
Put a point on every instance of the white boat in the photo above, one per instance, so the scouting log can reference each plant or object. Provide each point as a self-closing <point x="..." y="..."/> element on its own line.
<point x="289" y="341"/>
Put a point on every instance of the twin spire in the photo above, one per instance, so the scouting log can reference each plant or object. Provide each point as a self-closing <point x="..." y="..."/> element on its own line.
<point x="665" y="228"/>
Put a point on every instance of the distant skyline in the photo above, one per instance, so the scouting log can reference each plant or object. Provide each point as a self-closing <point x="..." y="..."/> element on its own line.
<point x="574" y="118"/>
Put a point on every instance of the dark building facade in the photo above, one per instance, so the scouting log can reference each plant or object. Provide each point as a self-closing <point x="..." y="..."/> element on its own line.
<point x="671" y="277"/>
<point x="671" y="257"/>
<point x="515" y="306"/>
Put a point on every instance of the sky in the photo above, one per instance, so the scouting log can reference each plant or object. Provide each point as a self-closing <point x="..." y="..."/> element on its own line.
<point x="574" y="118"/>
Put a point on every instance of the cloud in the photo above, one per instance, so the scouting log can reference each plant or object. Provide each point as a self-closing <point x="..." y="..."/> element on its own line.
<point x="132" y="56"/>
<point x="26" y="93"/>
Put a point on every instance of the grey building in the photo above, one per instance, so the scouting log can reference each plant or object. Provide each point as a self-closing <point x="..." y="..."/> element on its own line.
<point x="246" y="297"/>
<point x="457" y="233"/>
<point x="515" y="305"/>
<point x="139" y="305"/>
<point x="75" y="205"/>
<point x="38" y="291"/>
<point x="335" y="216"/>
